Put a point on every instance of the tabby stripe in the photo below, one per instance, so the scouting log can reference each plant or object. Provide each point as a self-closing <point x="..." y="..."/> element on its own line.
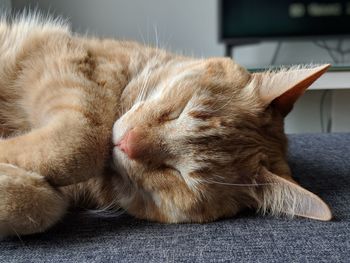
<point x="88" y="115"/>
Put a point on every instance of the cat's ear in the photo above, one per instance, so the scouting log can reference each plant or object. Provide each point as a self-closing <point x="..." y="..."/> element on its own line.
<point x="282" y="88"/>
<point x="281" y="196"/>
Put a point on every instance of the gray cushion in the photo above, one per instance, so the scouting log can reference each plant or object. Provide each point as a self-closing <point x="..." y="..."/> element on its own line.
<point x="320" y="163"/>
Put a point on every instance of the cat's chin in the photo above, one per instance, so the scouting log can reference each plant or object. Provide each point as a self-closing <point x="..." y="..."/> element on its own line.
<point x="120" y="162"/>
<point x="118" y="157"/>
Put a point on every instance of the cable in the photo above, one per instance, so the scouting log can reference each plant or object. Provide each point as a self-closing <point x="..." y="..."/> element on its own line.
<point x="275" y="54"/>
<point x="339" y="50"/>
<point x="338" y="55"/>
<point x="328" y="49"/>
<point x="323" y="98"/>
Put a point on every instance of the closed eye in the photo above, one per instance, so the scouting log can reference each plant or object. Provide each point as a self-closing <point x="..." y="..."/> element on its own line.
<point x="166" y="116"/>
<point x="172" y="168"/>
<point x="170" y="115"/>
<point x="175" y="111"/>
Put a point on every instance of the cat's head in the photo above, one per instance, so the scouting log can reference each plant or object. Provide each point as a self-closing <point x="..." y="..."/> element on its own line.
<point x="203" y="139"/>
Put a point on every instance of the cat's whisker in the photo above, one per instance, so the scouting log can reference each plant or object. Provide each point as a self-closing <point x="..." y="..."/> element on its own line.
<point x="17" y="234"/>
<point x="147" y="78"/>
<point x="112" y="209"/>
<point x="145" y="75"/>
<point x="32" y="220"/>
<point x="234" y="184"/>
<point x="156" y="36"/>
<point x="143" y="87"/>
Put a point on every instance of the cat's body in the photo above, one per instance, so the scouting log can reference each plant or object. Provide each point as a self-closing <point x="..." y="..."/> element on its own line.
<point x="190" y="140"/>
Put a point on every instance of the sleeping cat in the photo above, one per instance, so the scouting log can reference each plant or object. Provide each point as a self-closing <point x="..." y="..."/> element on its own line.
<point x="103" y="124"/>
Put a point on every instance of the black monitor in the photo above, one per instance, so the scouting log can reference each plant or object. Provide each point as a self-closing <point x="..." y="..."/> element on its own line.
<point x="243" y="21"/>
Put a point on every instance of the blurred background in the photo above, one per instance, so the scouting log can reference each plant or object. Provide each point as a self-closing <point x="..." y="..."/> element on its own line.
<point x="257" y="34"/>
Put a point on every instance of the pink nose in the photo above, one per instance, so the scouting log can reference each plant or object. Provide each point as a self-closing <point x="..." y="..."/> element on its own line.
<point x="130" y="143"/>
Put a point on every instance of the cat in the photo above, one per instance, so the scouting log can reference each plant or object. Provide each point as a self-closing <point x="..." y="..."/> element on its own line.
<point x="102" y="123"/>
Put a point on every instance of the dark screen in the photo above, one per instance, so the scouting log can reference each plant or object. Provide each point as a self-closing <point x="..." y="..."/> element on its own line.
<point x="244" y="19"/>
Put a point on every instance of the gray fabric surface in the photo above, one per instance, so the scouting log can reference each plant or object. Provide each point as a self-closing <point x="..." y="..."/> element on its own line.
<point x="320" y="162"/>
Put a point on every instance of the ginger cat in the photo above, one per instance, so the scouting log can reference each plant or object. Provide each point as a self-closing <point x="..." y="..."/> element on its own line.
<point x="104" y="123"/>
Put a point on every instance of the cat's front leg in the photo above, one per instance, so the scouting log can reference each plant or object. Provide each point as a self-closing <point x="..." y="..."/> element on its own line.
<point x="28" y="204"/>
<point x="65" y="151"/>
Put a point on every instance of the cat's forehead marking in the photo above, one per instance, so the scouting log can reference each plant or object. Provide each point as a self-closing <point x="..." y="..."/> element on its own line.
<point x="177" y="73"/>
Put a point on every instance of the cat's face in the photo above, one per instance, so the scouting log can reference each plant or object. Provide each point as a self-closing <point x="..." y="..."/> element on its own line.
<point x="193" y="141"/>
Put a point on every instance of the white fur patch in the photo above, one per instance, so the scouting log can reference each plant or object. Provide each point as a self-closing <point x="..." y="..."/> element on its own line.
<point x="121" y="126"/>
<point x="186" y="170"/>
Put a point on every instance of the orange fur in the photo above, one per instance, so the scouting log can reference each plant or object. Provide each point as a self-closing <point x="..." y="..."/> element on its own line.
<point x="200" y="132"/>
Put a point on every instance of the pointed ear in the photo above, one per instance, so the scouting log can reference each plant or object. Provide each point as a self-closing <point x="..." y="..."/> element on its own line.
<point x="282" y="88"/>
<point x="281" y="196"/>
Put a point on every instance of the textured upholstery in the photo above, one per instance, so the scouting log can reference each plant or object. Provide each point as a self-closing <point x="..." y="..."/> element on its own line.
<point x="320" y="163"/>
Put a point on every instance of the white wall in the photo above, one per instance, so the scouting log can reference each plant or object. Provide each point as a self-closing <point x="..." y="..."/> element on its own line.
<point x="182" y="25"/>
<point x="189" y="27"/>
<point x="341" y="109"/>
<point x="5" y="5"/>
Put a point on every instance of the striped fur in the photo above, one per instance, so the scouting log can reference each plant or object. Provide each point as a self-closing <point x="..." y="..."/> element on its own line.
<point x="202" y="131"/>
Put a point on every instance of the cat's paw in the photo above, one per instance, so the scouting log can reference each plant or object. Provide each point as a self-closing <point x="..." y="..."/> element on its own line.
<point x="28" y="204"/>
